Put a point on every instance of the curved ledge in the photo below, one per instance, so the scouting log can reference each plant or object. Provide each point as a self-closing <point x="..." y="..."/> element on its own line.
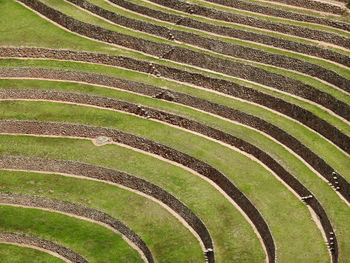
<point x="291" y="110"/>
<point x="221" y="47"/>
<point x="289" y="29"/>
<point x="262" y="38"/>
<point x="202" y="168"/>
<point x="315" y="5"/>
<point x="108" y="103"/>
<point x="189" y="57"/>
<point x="41" y="244"/>
<point x="88" y="171"/>
<point x="79" y="211"/>
<point x="286" y="14"/>
<point x="223" y="111"/>
<point x="213" y="133"/>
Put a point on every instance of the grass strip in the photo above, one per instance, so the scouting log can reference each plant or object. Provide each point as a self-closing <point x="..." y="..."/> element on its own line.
<point x="90" y="240"/>
<point x="81" y="15"/>
<point x="34" y="36"/>
<point x="329" y="152"/>
<point x="17" y="254"/>
<point x="341" y="70"/>
<point x="232" y="236"/>
<point x="252" y="136"/>
<point x="161" y="231"/>
<point x="219" y="156"/>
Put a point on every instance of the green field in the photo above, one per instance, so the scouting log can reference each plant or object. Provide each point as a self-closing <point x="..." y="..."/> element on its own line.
<point x="295" y="229"/>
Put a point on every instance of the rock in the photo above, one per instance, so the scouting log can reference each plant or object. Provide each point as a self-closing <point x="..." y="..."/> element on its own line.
<point x="101" y="140"/>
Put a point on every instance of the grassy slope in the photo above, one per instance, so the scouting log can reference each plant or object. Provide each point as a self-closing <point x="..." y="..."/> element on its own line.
<point x="230" y="232"/>
<point x="276" y="150"/>
<point x="238" y="26"/>
<point x="79" y="14"/>
<point x="91" y="45"/>
<point x="272" y="19"/>
<point x="270" y="199"/>
<point x="326" y="150"/>
<point x="90" y="240"/>
<point x="106" y="5"/>
<point x="35" y="31"/>
<point x="16" y="254"/>
<point x="161" y="231"/>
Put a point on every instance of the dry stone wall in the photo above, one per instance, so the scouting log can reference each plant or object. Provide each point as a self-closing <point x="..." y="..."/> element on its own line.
<point x="283" y="174"/>
<point x="273" y="11"/>
<point x="105" y="174"/>
<point x="256" y="22"/>
<point x="77" y="210"/>
<point x="108" y="103"/>
<point x="316" y="5"/>
<point x="304" y="152"/>
<point x="190" y="57"/>
<point x="220" y="46"/>
<point x="238" y="33"/>
<point x="227" y="87"/>
<point x="40" y="243"/>
<point x="90" y="132"/>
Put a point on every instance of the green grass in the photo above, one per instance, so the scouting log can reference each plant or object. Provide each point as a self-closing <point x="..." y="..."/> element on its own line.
<point x="271" y="19"/>
<point x="341" y="70"/>
<point x="329" y="152"/>
<point x="233" y="238"/>
<point x="90" y="240"/>
<point x="78" y="14"/>
<point x="158" y="228"/>
<point x="296" y="10"/>
<point x="247" y="175"/>
<point x="232" y="235"/>
<point x="239" y="131"/>
<point x="35" y="37"/>
<point x="237" y="26"/>
<point x="16" y="254"/>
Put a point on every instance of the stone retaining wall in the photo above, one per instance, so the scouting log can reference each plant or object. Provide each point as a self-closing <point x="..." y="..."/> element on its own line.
<point x="256" y="22"/>
<point x="91" y="132"/>
<point x="283" y="174"/>
<point x="21" y="239"/>
<point x="227" y="87"/>
<point x="238" y="33"/>
<point x="179" y="121"/>
<point x="316" y="5"/>
<point x="283" y="13"/>
<point x="77" y="210"/>
<point x="105" y="174"/>
<point x="283" y="137"/>
<point x="189" y="57"/>
<point x="222" y="47"/>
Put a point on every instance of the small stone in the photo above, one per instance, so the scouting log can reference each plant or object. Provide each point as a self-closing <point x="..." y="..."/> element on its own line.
<point x="101" y="140"/>
<point x="51" y="191"/>
<point x="31" y="182"/>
